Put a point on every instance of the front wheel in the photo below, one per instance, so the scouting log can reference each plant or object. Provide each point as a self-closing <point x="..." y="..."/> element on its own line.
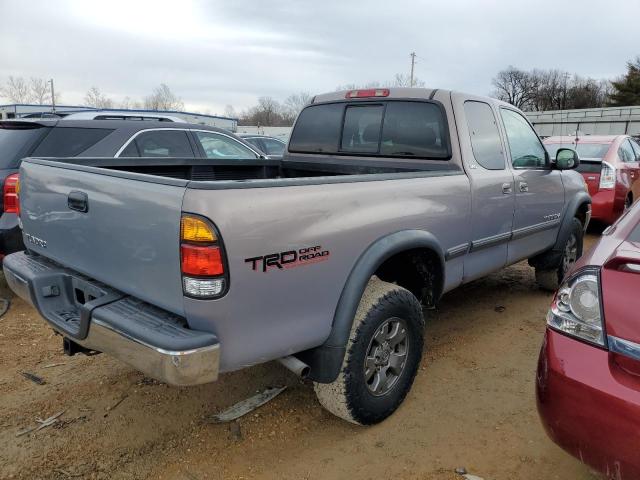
<point x="550" y="279"/>
<point x="382" y="356"/>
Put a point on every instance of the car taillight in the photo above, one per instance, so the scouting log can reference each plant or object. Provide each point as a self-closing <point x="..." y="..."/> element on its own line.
<point x="607" y="176"/>
<point x="369" y="92"/>
<point x="10" y="192"/>
<point x="575" y="309"/>
<point x="202" y="258"/>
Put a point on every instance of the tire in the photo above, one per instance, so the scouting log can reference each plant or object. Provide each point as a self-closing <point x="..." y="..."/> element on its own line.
<point x="628" y="201"/>
<point x="550" y="279"/>
<point x="376" y="350"/>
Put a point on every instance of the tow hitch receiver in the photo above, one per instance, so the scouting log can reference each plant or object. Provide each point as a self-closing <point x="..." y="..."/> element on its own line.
<point x="71" y="348"/>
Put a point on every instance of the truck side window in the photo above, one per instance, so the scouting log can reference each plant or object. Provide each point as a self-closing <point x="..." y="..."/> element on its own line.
<point x="159" y="143"/>
<point x="220" y="146"/>
<point x="361" y="132"/>
<point x="485" y="137"/>
<point x="524" y="144"/>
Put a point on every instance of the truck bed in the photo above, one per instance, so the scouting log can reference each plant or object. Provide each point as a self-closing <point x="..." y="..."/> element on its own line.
<point x="207" y="170"/>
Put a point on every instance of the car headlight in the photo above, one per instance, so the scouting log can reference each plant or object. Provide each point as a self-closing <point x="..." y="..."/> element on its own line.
<point x="575" y="310"/>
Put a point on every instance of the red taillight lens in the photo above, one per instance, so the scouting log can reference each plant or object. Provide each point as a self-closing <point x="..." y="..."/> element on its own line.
<point x="369" y="92"/>
<point x="10" y="193"/>
<point x="201" y="261"/>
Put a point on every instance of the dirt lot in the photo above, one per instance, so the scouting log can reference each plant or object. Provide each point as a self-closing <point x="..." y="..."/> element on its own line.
<point x="472" y="405"/>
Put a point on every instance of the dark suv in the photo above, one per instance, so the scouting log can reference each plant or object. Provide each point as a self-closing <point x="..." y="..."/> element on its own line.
<point x="101" y="138"/>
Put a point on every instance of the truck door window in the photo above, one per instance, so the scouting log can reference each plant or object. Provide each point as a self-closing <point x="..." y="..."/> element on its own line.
<point x="485" y="136"/>
<point x="221" y="146"/>
<point x="159" y="143"/>
<point x="524" y="144"/>
<point x="361" y="132"/>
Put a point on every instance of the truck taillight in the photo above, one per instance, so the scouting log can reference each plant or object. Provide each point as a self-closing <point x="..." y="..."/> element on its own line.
<point x="10" y="192"/>
<point x="202" y="258"/>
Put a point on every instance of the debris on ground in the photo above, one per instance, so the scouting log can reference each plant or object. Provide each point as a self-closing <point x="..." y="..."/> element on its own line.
<point x="51" y="365"/>
<point x="248" y="405"/>
<point x="43" y="424"/>
<point x="33" y="377"/>
<point x="461" y="471"/>
<point x="235" y="433"/>
<point x="115" y="405"/>
<point x="499" y="308"/>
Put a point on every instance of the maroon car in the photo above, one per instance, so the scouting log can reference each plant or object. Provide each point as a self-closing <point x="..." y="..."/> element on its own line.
<point x="610" y="166"/>
<point x="588" y="381"/>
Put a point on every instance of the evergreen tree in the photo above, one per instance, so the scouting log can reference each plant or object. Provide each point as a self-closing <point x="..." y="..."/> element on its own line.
<point x="626" y="90"/>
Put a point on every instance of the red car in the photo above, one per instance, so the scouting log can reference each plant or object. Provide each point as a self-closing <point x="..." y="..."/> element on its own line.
<point x="610" y="166"/>
<point x="588" y="380"/>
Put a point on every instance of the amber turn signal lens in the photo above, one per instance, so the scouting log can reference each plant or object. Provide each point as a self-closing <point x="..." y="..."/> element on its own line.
<point x="193" y="229"/>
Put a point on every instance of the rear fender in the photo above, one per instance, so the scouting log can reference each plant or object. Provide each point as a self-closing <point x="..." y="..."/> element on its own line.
<point x="325" y="361"/>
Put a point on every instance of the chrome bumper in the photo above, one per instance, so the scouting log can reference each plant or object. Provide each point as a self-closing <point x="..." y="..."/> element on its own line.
<point x="128" y="329"/>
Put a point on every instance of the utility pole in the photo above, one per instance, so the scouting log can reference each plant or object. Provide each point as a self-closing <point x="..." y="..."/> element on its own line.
<point x="413" y="61"/>
<point x="53" y="97"/>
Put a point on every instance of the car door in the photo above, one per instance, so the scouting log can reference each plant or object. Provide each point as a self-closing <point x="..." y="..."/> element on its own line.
<point x="539" y="192"/>
<point x="635" y="170"/>
<point x="492" y="194"/>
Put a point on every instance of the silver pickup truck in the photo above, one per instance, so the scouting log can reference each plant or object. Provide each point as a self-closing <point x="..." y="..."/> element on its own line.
<point x="385" y="200"/>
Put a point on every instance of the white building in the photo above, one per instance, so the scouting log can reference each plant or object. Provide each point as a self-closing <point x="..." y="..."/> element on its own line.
<point x="13" y="111"/>
<point x="587" y="121"/>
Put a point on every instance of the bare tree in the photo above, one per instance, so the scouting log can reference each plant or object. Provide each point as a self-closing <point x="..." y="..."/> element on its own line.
<point x="128" y="104"/>
<point x="516" y="87"/>
<point x="230" y="112"/>
<point x="40" y="91"/>
<point x="163" y="98"/>
<point x="16" y="90"/>
<point x="404" y="80"/>
<point x="95" y="98"/>
<point x="294" y="104"/>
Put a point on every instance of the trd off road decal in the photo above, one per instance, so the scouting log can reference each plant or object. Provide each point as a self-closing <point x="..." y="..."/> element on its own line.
<point x="288" y="259"/>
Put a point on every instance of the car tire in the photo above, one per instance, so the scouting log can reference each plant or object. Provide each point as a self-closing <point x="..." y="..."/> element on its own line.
<point x="381" y="359"/>
<point x="550" y="279"/>
<point x="628" y="201"/>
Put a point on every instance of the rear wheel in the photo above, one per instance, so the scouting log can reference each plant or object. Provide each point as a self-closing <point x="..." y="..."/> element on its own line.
<point x="628" y="202"/>
<point x="550" y="278"/>
<point x="382" y="356"/>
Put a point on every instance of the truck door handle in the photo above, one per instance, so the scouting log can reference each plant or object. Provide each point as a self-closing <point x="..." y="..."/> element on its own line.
<point x="523" y="187"/>
<point x="78" y="201"/>
<point x="506" y="188"/>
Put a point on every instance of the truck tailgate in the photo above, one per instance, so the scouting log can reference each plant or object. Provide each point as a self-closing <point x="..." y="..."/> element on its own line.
<point x="128" y="237"/>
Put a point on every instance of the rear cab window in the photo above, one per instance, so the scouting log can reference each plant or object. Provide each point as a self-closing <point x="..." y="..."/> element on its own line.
<point x="69" y="141"/>
<point x="391" y="128"/>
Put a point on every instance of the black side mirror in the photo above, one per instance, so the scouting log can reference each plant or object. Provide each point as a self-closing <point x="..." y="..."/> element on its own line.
<point x="567" y="159"/>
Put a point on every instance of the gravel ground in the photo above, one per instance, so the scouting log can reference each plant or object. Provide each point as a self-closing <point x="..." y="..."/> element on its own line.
<point x="472" y="406"/>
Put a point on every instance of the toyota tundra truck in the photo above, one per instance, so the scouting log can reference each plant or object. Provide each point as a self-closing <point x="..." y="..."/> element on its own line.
<point x="384" y="200"/>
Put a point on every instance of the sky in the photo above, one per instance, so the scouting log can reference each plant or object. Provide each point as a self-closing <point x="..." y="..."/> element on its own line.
<point x="218" y="53"/>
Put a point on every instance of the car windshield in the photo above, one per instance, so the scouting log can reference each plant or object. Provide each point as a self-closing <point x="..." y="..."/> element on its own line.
<point x="15" y="143"/>
<point x="591" y="151"/>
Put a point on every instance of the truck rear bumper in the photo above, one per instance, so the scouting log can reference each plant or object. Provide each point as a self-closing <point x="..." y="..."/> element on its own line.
<point x="99" y="318"/>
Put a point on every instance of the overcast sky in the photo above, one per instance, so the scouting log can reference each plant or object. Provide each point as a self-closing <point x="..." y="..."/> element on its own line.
<point x="214" y="53"/>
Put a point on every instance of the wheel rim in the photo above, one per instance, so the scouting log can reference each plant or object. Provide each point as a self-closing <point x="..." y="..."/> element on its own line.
<point x="570" y="253"/>
<point x="386" y="356"/>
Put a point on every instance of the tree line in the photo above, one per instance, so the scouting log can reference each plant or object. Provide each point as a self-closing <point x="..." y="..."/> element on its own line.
<point x="539" y="90"/>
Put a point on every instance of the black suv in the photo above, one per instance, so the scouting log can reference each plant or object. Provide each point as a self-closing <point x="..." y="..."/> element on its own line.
<point x="101" y="138"/>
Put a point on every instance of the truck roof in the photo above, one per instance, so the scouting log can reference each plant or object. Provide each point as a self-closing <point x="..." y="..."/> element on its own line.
<point x="394" y="92"/>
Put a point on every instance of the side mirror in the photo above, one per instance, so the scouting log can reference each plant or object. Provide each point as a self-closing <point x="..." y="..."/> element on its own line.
<point x="566" y="159"/>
